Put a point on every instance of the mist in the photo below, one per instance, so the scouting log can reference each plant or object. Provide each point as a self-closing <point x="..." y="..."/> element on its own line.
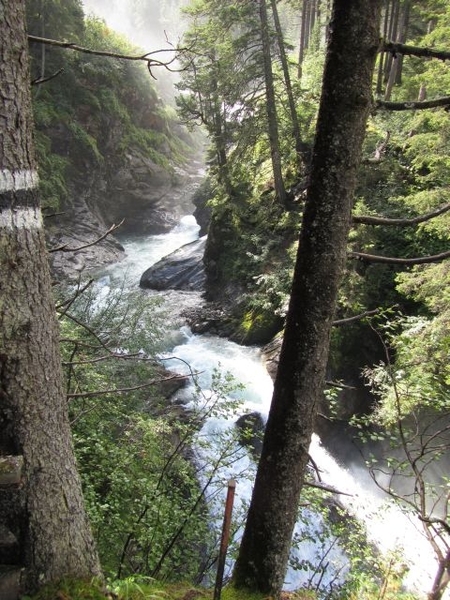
<point x="151" y="25"/>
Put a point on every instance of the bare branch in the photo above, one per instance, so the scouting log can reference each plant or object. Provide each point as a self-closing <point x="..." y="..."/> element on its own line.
<point x="414" y="105"/>
<point x="102" y="344"/>
<point x="40" y="80"/>
<point x="396" y="48"/>
<point x="369" y="220"/>
<point x="51" y="215"/>
<point x="64" y="248"/>
<point x="127" y="389"/>
<point x="339" y="385"/>
<point x="148" y="57"/>
<point x="326" y="488"/>
<point x="399" y="261"/>
<point x="136" y="356"/>
<point x="346" y="321"/>
<point x="68" y="303"/>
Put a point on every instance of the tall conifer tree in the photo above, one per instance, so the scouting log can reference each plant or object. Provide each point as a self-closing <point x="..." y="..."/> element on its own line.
<point x="46" y="514"/>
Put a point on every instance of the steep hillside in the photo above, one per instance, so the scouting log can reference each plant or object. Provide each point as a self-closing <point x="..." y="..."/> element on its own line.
<point x="109" y="149"/>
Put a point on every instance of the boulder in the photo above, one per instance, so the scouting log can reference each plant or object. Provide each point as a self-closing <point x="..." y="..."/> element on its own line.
<point x="250" y="431"/>
<point x="180" y="270"/>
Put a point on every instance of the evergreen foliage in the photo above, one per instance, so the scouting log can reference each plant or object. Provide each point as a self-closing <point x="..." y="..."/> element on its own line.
<point x="146" y="489"/>
<point x="95" y="110"/>
<point x="140" y="481"/>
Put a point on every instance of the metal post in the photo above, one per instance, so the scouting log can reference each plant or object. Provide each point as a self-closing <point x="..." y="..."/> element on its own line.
<point x="225" y="538"/>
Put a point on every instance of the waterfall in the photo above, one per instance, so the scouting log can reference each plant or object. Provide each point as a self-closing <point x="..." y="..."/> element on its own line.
<point x="387" y="526"/>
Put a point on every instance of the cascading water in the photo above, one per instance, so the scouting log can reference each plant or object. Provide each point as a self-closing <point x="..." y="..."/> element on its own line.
<point x="388" y="528"/>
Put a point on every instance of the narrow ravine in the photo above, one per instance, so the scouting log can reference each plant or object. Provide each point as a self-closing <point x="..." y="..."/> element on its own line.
<point x="322" y="563"/>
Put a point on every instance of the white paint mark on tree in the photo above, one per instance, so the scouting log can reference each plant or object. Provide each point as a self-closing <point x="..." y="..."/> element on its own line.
<point x="21" y="218"/>
<point x="15" y="181"/>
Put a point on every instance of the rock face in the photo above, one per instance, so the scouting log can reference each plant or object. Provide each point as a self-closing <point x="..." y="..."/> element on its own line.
<point x="180" y="270"/>
<point x="148" y="197"/>
<point x="75" y="244"/>
<point x="202" y="211"/>
<point x="127" y="163"/>
<point x="140" y="195"/>
<point x="271" y="354"/>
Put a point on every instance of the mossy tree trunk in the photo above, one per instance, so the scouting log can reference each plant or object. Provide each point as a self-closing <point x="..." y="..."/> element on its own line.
<point x="51" y="526"/>
<point x="343" y="112"/>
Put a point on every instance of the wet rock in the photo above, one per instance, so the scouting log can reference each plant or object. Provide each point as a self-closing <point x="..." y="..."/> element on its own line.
<point x="271" y="354"/>
<point x="251" y="430"/>
<point x="180" y="270"/>
<point x="210" y="317"/>
<point x="78" y="249"/>
<point x="136" y="193"/>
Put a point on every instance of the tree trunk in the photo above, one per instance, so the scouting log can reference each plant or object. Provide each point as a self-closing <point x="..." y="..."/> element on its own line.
<point x="391" y="61"/>
<point x="345" y="104"/>
<point x="399" y="33"/>
<point x="272" y="124"/>
<point x="406" y="8"/>
<point x="383" y="58"/>
<point x="50" y="523"/>
<point x="300" y="148"/>
<point x="302" y="39"/>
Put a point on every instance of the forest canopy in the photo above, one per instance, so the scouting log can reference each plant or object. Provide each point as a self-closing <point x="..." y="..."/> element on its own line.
<point x="249" y="76"/>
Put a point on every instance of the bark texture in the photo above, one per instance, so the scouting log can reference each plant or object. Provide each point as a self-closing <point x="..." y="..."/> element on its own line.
<point x="47" y="515"/>
<point x="345" y="104"/>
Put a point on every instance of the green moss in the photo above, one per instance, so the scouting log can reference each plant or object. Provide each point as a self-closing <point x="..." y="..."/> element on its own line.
<point x="232" y="593"/>
<point x="258" y="326"/>
<point x="132" y="588"/>
<point x="52" y="173"/>
<point x="87" y="142"/>
<point x="71" y="589"/>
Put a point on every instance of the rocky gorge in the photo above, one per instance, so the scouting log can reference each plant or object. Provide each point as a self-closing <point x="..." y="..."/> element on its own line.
<point x="142" y="197"/>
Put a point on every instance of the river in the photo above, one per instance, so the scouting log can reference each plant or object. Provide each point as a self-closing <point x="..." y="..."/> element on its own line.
<point x="323" y="564"/>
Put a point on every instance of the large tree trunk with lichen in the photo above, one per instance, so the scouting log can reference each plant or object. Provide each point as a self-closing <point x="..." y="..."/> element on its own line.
<point x="45" y="513"/>
<point x="344" y="108"/>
